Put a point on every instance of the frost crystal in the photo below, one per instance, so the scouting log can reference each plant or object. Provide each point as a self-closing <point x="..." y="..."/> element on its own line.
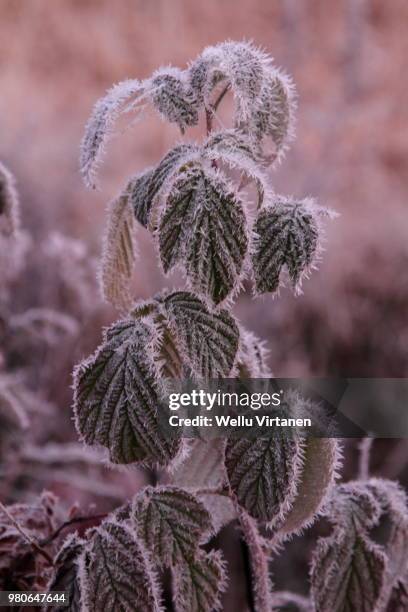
<point x="286" y="234"/>
<point x="116" y="398"/>
<point x="117" y="574"/>
<point x="171" y="523"/>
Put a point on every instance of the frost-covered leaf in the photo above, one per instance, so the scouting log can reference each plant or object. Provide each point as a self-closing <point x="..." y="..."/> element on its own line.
<point x="238" y="151"/>
<point x="217" y="240"/>
<point x="347" y="573"/>
<point x="286" y="234"/>
<point x="239" y="64"/>
<point x="208" y="341"/>
<point x="116" y="398"/>
<point x="99" y="126"/>
<point x="274" y="115"/>
<point x="199" y="583"/>
<point x="320" y="463"/>
<point x="204" y="224"/>
<point x="143" y="189"/>
<point x="252" y="358"/>
<point x="66" y="574"/>
<point x="174" y="98"/>
<point x="263" y="473"/>
<point x="117" y="574"/>
<point x="171" y="522"/>
<point x="175" y="222"/>
<point x="119" y="253"/>
<point x="394" y="504"/>
<point x="9" y="204"/>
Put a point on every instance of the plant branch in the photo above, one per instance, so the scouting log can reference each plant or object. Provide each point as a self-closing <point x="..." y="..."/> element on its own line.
<point x="261" y="583"/>
<point x="211" y="110"/>
<point x="25" y="535"/>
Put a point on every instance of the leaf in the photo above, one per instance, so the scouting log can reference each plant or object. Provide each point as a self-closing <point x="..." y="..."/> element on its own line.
<point x="175" y="222"/>
<point x="399" y="597"/>
<point x="274" y="115"/>
<point x="119" y="254"/>
<point x="143" y="189"/>
<point x="286" y="234"/>
<point x="238" y="151"/>
<point x="204" y="222"/>
<point x="320" y="463"/>
<point x="217" y="241"/>
<point x="239" y="64"/>
<point x="208" y="341"/>
<point x="394" y="504"/>
<point x="174" y="98"/>
<point x="99" y="126"/>
<point x="262" y="474"/>
<point x="66" y="574"/>
<point x="252" y="356"/>
<point x="116" y="398"/>
<point x="9" y="204"/>
<point x="117" y="574"/>
<point x="171" y="522"/>
<point x="199" y="583"/>
<point x="347" y="573"/>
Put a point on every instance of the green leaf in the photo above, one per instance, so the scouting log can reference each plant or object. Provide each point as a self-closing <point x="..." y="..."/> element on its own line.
<point x="116" y="398"/>
<point x="143" y="189"/>
<point x="199" y="583"/>
<point x="171" y="522"/>
<point x="117" y="574"/>
<point x="286" y="234"/>
<point x="208" y="341"/>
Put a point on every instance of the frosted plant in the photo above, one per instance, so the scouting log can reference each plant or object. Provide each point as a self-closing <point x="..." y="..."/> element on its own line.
<point x="202" y="218"/>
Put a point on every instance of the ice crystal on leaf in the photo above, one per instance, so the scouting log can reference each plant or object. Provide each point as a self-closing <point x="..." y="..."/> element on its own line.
<point x="286" y="234"/>
<point x="143" y="189"/>
<point x="100" y="124"/>
<point x="204" y="224"/>
<point x="262" y="473"/>
<point x="199" y="583"/>
<point x="350" y="571"/>
<point x="117" y="573"/>
<point x="119" y="254"/>
<point x="240" y="65"/>
<point x="171" y="522"/>
<point x="174" y="98"/>
<point x="208" y="340"/>
<point x="116" y="398"/>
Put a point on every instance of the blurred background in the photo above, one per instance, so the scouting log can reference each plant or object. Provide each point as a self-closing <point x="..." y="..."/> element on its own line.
<point x="348" y="60"/>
